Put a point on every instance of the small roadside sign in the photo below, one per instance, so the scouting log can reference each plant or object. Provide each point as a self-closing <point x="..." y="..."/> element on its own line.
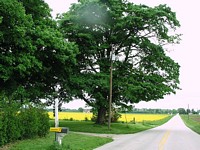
<point x="56" y="129"/>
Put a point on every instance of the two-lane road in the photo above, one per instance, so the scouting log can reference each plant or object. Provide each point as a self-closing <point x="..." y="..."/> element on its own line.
<point x="173" y="135"/>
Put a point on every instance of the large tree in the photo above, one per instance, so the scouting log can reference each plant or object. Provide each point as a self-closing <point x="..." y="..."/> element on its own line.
<point x="137" y="34"/>
<point x="34" y="55"/>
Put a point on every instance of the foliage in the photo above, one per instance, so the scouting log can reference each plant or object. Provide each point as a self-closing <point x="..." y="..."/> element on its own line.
<point x="36" y="122"/>
<point x="31" y="50"/>
<point x="137" y="35"/>
<point x="17" y="123"/>
<point x="15" y="48"/>
<point x="151" y="111"/>
<point x="80" y="109"/>
<point x="10" y="125"/>
<point x="182" y="111"/>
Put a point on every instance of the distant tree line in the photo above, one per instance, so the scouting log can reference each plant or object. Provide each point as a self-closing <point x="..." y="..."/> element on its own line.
<point x="133" y="110"/>
<point x="65" y="110"/>
<point x="138" y="110"/>
<point x="153" y="111"/>
<point x="188" y="111"/>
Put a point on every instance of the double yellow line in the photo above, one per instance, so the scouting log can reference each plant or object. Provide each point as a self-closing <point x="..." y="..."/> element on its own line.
<point x="163" y="140"/>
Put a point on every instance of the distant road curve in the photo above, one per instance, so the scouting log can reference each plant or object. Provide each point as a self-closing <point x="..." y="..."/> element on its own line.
<point x="173" y="135"/>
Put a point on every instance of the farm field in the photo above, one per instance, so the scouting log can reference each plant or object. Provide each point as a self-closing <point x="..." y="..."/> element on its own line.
<point x="142" y="117"/>
<point x="124" y="117"/>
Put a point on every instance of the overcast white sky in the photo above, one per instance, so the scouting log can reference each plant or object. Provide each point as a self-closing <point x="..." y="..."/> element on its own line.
<point x="186" y="53"/>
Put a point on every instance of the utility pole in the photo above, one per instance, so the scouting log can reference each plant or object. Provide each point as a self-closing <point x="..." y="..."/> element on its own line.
<point x="188" y="112"/>
<point x="111" y="77"/>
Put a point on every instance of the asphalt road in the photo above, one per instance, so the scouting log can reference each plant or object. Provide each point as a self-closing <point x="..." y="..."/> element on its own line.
<point x="173" y="135"/>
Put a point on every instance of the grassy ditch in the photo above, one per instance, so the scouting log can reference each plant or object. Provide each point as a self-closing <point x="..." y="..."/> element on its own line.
<point x="193" y="122"/>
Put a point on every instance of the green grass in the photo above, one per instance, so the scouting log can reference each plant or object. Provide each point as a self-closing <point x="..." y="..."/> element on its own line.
<point x="158" y="122"/>
<point x="116" y="128"/>
<point x="72" y="141"/>
<point x="75" y="141"/>
<point x="193" y="122"/>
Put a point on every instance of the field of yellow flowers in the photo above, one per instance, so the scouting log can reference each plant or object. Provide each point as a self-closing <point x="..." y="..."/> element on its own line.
<point x="124" y="117"/>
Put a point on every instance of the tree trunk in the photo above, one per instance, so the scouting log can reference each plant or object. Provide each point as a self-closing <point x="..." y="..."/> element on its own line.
<point x="101" y="116"/>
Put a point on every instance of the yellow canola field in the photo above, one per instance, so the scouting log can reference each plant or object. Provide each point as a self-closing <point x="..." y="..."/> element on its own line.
<point x="142" y="117"/>
<point x="72" y="115"/>
<point x="124" y="117"/>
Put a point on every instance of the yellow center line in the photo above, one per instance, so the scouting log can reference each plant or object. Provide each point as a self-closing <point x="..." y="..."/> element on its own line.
<point x="163" y="140"/>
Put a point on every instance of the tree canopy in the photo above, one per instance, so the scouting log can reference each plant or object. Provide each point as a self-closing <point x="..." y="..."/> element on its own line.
<point x="137" y="35"/>
<point x="34" y="55"/>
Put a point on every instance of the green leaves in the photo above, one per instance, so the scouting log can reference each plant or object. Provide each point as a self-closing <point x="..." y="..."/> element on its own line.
<point x="137" y="33"/>
<point x="34" y="54"/>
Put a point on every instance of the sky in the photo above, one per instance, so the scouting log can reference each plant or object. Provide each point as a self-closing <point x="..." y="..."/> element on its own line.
<point x="186" y="53"/>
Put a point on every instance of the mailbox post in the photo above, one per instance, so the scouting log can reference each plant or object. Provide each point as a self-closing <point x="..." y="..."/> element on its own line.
<point x="56" y="113"/>
<point x="60" y="132"/>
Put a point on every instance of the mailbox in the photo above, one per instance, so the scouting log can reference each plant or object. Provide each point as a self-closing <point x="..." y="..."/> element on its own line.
<point x="59" y="129"/>
<point x="64" y="130"/>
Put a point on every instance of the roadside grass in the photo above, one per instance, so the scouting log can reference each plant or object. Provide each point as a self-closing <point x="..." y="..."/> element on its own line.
<point x="76" y="141"/>
<point x="156" y="123"/>
<point x="72" y="141"/>
<point x="193" y="122"/>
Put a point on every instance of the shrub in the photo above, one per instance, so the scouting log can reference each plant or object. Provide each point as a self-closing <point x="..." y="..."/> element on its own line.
<point x="115" y="116"/>
<point x="35" y="122"/>
<point x="44" y="124"/>
<point x="86" y="119"/>
<point x="9" y="123"/>
<point x="29" y="119"/>
<point x="17" y="123"/>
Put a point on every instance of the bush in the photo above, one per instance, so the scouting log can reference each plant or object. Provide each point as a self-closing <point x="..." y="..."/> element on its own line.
<point x="35" y="122"/>
<point x="115" y="116"/>
<point x="9" y="123"/>
<point x="71" y="119"/>
<point x="86" y="119"/>
<point x="44" y="124"/>
<point x="17" y="123"/>
<point x="29" y="119"/>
